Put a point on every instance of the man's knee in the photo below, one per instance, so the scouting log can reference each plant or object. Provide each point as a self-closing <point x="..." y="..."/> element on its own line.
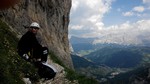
<point x="44" y="54"/>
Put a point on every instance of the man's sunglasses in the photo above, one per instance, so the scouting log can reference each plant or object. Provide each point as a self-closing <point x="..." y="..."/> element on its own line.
<point x="34" y="27"/>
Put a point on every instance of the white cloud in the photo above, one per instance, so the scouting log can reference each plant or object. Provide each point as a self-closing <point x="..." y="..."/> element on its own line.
<point x="125" y="30"/>
<point x="92" y="4"/>
<point x="128" y="14"/>
<point x="146" y="1"/>
<point x="126" y="33"/>
<point x="147" y="4"/>
<point x="76" y="27"/>
<point x="136" y="11"/>
<point x="143" y="25"/>
<point x="74" y="5"/>
<point x="89" y="14"/>
<point x="139" y="9"/>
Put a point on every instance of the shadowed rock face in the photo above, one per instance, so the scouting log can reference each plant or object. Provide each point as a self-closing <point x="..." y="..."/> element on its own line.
<point x="53" y="16"/>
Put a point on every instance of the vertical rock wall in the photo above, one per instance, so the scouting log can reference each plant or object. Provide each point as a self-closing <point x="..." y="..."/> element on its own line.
<point x="53" y="16"/>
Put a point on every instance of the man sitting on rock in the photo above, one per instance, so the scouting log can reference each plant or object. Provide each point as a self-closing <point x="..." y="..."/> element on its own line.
<point x="29" y="48"/>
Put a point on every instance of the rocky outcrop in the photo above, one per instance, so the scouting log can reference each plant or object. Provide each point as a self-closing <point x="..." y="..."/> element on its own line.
<point x="60" y="77"/>
<point x="53" y="16"/>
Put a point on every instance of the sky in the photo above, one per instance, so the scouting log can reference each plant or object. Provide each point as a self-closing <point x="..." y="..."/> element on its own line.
<point x="115" y="18"/>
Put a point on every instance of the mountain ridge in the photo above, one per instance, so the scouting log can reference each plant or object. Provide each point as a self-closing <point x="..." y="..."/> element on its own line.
<point x="116" y="70"/>
<point x="141" y="41"/>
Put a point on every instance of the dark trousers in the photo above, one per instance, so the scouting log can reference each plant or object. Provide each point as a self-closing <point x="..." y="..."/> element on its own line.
<point x="40" y="53"/>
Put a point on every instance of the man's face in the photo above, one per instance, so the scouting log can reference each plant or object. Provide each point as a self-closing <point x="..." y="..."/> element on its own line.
<point x="34" y="30"/>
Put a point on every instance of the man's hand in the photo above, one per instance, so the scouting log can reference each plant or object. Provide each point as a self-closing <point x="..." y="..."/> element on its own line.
<point x="25" y="56"/>
<point x="45" y="52"/>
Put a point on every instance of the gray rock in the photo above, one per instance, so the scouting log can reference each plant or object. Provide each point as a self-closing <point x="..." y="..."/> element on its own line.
<point x="53" y="16"/>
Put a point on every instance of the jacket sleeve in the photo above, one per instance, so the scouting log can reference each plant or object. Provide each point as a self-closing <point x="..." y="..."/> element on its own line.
<point x="23" y="48"/>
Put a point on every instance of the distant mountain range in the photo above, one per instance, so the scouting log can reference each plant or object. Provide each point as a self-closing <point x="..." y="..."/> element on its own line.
<point x="112" y="55"/>
<point x="135" y="38"/>
<point x="80" y="62"/>
<point x="89" y="68"/>
<point x="111" y="63"/>
<point x="79" y="43"/>
<point x="117" y="56"/>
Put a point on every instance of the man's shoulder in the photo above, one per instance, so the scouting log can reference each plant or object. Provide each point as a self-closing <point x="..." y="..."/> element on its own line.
<point x="27" y="34"/>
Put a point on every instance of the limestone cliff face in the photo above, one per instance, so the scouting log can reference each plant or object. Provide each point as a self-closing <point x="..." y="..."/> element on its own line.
<point x="53" y="16"/>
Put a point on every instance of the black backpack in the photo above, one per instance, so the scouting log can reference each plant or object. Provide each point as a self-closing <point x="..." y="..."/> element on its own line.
<point x="46" y="72"/>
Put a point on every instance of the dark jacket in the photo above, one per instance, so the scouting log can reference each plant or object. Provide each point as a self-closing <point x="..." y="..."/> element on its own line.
<point x="29" y="43"/>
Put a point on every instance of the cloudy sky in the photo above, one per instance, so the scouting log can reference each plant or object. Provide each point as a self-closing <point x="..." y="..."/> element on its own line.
<point x="101" y="18"/>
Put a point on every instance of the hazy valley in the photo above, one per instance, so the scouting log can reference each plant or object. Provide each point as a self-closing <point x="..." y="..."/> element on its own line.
<point x="111" y="63"/>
